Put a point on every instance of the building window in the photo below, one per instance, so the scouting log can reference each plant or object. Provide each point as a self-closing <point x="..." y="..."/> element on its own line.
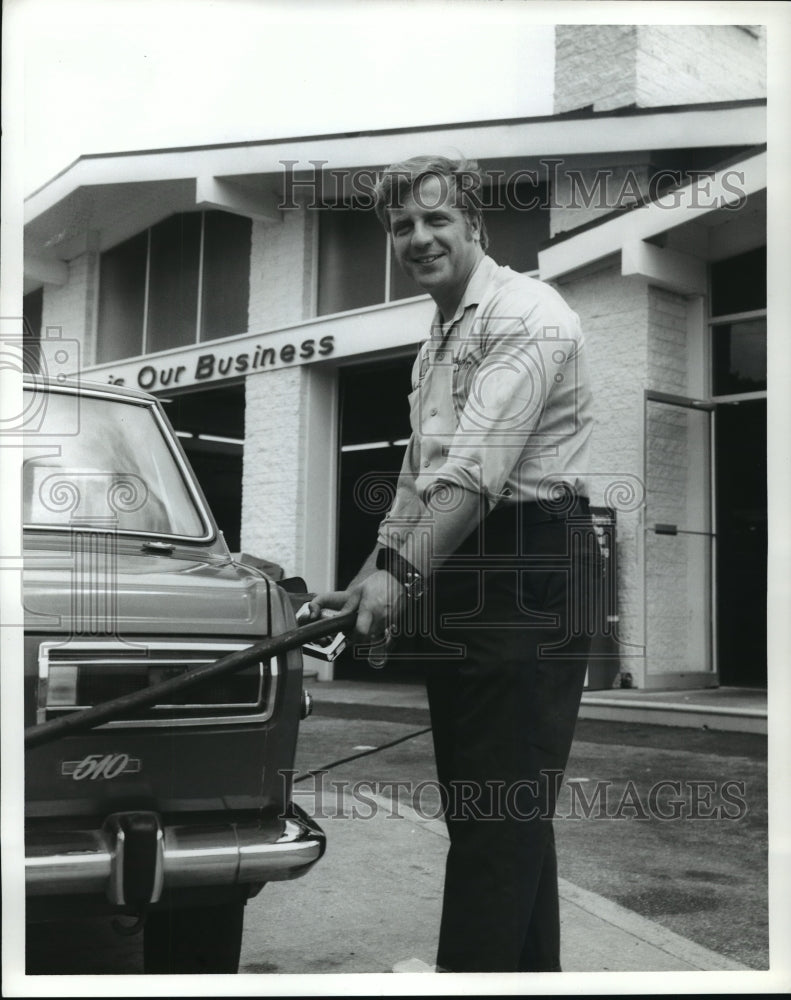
<point x="738" y="284"/>
<point x="356" y="268"/>
<point x="174" y="250"/>
<point x="738" y="324"/>
<point x="739" y="356"/>
<point x="122" y="296"/>
<point x="226" y="274"/>
<point x="182" y="281"/>
<point x="352" y="254"/>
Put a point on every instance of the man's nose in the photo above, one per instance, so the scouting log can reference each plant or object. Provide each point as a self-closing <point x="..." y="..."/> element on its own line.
<point x="421" y="235"/>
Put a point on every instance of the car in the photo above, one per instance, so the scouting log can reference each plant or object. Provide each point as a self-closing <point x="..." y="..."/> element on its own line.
<point x="176" y="813"/>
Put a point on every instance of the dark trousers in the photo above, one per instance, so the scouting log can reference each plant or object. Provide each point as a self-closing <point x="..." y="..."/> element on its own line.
<point x="504" y="703"/>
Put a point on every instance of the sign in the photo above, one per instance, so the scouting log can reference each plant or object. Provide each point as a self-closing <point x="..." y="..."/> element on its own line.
<point x="202" y="365"/>
<point x="359" y="332"/>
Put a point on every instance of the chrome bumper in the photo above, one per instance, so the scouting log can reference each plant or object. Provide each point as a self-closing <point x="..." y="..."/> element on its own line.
<point x="92" y="861"/>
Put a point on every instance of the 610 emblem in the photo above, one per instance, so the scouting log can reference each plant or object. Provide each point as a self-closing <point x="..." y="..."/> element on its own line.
<point x="98" y="765"/>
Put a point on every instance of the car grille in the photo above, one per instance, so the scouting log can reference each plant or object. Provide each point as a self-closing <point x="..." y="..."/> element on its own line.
<point x="77" y="675"/>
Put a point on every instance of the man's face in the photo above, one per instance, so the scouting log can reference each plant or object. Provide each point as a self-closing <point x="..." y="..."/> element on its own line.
<point x="435" y="243"/>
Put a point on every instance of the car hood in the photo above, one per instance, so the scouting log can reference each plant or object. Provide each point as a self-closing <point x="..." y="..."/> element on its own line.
<point x="103" y="592"/>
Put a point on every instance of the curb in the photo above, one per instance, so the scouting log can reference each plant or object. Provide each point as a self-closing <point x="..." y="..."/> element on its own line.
<point x="628" y="921"/>
<point x="595" y="705"/>
<point x="668" y="714"/>
<point x="649" y="931"/>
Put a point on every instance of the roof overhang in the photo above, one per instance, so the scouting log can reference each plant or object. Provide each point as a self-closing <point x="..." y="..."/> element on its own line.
<point x="669" y="240"/>
<point x="102" y="199"/>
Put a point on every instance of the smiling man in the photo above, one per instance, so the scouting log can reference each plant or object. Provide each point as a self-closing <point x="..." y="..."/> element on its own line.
<point x="436" y="243"/>
<point x="490" y="546"/>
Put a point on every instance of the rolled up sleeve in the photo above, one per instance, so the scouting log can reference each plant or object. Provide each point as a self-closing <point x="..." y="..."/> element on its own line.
<point x="407" y="507"/>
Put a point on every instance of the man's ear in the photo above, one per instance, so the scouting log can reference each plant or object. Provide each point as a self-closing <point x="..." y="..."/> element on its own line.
<point x="474" y="228"/>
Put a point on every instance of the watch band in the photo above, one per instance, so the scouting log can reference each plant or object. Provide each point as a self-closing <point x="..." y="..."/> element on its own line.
<point x="403" y="570"/>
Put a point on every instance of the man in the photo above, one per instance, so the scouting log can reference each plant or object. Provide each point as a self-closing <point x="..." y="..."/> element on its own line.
<point x="489" y="544"/>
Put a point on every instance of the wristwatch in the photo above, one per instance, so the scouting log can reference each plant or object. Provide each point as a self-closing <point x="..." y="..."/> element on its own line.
<point x="406" y="574"/>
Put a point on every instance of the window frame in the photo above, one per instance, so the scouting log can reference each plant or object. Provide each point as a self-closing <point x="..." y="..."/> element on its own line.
<point x="734" y="317"/>
<point x="147" y="348"/>
<point x="388" y="265"/>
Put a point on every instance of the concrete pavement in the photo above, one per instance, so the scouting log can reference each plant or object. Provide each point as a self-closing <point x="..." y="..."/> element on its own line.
<point x="372" y="907"/>
<point x="724" y="708"/>
<point x="394" y="860"/>
<point x="377" y="894"/>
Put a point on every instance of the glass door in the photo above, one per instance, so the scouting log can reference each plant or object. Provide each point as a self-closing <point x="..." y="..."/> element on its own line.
<point x="678" y="536"/>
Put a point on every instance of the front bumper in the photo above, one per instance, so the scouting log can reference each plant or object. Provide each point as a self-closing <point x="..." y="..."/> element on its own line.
<point x="108" y="861"/>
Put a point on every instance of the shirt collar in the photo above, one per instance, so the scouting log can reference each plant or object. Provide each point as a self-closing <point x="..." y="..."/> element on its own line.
<point x="473" y="293"/>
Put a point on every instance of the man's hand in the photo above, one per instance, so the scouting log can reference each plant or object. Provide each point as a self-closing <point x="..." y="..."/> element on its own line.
<point x="376" y="601"/>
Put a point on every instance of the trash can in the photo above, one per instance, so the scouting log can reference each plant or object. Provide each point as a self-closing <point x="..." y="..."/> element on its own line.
<point x="603" y="659"/>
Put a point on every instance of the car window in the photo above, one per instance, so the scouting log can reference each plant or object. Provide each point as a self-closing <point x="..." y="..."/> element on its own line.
<point x="111" y="467"/>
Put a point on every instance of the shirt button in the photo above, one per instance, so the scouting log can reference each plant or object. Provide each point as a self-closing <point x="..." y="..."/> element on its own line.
<point x="426" y="463"/>
<point x="433" y="411"/>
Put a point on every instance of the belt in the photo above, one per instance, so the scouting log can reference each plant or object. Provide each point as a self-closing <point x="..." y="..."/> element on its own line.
<point x="563" y="503"/>
<point x="541" y="511"/>
<point x="509" y="521"/>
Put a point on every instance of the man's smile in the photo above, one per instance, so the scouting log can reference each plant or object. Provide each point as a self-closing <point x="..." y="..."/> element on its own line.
<point x="435" y="241"/>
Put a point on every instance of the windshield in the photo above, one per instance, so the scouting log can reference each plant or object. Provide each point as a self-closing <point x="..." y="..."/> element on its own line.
<point x="105" y="463"/>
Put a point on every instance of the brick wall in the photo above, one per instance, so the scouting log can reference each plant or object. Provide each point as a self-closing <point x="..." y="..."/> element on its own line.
<point x="654" y="472"/>
<point x="696" y="63"/>
<point x="281" y="261"/>
<point x="614" y="315"/>
<point x="668" y="352"/>
<point x="273" y="503"/>
<point x="612" y="66"/>
<point x="72" y="307"/>
<point x="595" y="64"/>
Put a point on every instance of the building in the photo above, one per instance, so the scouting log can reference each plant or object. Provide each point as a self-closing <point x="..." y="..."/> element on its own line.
<point x="251" y="287"/>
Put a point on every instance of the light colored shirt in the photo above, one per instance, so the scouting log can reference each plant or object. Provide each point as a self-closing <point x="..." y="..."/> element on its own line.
<point x="501" y="401"/>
